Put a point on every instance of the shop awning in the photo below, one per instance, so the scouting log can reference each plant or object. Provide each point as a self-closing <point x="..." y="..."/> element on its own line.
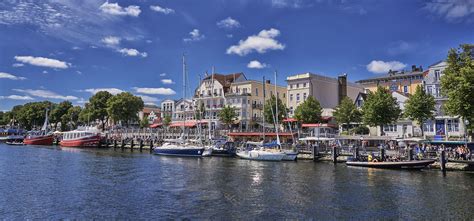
<point x="319" y="125"/>
<point x="191" y="123"/>
<point x="156" y="125"/>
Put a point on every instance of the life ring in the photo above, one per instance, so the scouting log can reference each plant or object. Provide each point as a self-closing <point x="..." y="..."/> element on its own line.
<point x="375" y="161"/>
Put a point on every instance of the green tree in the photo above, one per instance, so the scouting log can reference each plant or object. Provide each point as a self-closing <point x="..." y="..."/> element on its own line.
<point x="457" y="84"/>
<point x="124" y="107"/>
<point x="98" y="107"/>
<point x="380" y="108"/>
<point x="167" y="121"/>
<point x="58" y="114"/>
<point x="347" y="113"/>
<point x="3" y="118"/>
<point x="420" y="107"/>
<point x="227" y="115"/>
<point x="144" y="122"/>
<point x="85" y="114"/>
<point x="270" y="110"/>
<point x="31" y="114"/>
<point x="309" y="111"/>
<point x="72" y="116"/>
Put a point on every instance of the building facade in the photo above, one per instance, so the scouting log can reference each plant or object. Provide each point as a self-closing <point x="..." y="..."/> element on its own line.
<point x="443" y="126"/>
<point x="168" y="108"/>
<point x="328" y="91"/>
<point x="401" y="81"/>
<point x="152" y="113"/>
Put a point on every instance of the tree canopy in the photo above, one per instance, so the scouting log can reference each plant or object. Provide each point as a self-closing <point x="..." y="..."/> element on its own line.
<point x="124" y="107"/>
<point x="57" y="114"/>
<point x="227" y="115"/>
<point x="420" y="106"/>
<point x="31" y="115"/>
<point x="347" y="112"/>
<point x="97" y="108"/>
<point x="270" y="110"/>
<point x="309" y="111"/>
<point x="457" y="83"/>
<point x="380" y="108"/>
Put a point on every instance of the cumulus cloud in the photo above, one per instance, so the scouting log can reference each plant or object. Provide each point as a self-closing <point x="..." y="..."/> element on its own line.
<point x="45" y="94"/>
<point x="111" y="40"/>
<point x="195" y="35"/>
<point x="287" y="3"/>
<point x="148" y="99"/>
<point x="256" y="64"/>
<point x="167" y="81"/>
<point x="116" y="9"/>
<point x="42" y="62"/>
<point x="452" y="10"/>
<point x="381" y="67"/>
<point x="16" y="65"/>
<point x="162" y="74"/>
<point x="261" y="43"/>
<point x="113" y="91"/>
<point x="132" y="52"/>
<point x="160" y="9"/>
<point x="228" y="23"/>
<point x="10" y="76"/>
<point x="16" y="97"/>
<point x="156" y="91"/>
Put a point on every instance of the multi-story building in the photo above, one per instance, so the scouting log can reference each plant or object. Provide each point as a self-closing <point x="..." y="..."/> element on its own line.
<point x="328" y="91"/>
<point x="443" y="126"/>
<point x="168" y="108"/>
<point x="184" y="110"/>
<point x="401" y="81"/>
<point x="151" y="112"/>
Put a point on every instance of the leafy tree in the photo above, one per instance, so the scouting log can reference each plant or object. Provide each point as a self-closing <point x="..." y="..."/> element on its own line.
<point x="270" y="110"/>
<point x="58" y="114"/>
<point x="457" y="84"/>
<point x="144" y="122"/>
<point x="85" y="114"/>
<point x="347" y="112"/>
<point x="167" y="121"/>
<point x="32" y="114"/>
<point x="72" y="116"/>
<point x="14" y="114"/>
<point x="360" y="130"/>
<point x="124" y="107"/>
<point x="98" y="107"/>
<point x="420" y="106"/>
<point x="227" y="115"/>
<point x="309" y="111"/>
<point x="3" y="118"/>
<point x="380" y="108"/>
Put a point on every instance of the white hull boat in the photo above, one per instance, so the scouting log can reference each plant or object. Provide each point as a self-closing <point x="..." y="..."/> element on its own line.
<point x="261" y="155"/>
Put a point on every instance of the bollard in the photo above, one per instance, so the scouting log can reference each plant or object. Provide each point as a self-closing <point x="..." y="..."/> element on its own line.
<point x="410" y="154"/>
<point x="334" y="154"/>
<point x="442" y="161"/>
<point x="382" y="154"/>
<point x="115" y="143"/>
<point x="141" y="145"/>
<point x="131" y="145"/>
<point x="151" y="146"/>
<point x="356" y="153"/>
<point x="122" y="145"/>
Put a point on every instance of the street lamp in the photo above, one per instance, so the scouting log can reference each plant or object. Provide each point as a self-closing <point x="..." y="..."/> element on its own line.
<point x="466" y="123"/>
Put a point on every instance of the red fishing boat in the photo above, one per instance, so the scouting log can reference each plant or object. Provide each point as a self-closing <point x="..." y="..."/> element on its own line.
<point x="42" y="137"/>
<point x="84" y="137"/>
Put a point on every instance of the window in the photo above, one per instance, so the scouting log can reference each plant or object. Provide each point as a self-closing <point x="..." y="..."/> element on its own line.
<point x="291" y="97"/>
<point x="284" y="95"/>
<point x="256" y="91"/>
<point x="291" y="86"/>
<point x="453" y="125"/>
<point x="428" y="127"/>
<point x="390" y="128"/>
<point x="437" y="75"/>
<point x="304" y="84"/>
<point x="297" y="85"/>
<point x="291" y="110"/>
<point x="304" y="96"/>
<point x="298" y="97"/>
<point x="429" y="90"/>
<point x="405" y="89"/>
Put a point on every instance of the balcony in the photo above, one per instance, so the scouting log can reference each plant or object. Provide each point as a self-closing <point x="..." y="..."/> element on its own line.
<point x="238" y="94"/>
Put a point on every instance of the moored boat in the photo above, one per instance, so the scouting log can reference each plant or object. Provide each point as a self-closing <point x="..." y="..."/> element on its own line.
<point x="178" y="148"/>
<point x="15" y="143"/>
<point x="224" y="149"/>
<point x="42" y="137"/>
<point x="256" y="151"/>
<point x="82" y="137"/>
<point x="412" y="164"/>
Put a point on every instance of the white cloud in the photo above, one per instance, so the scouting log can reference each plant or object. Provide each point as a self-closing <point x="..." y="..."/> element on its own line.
<point x="157" y="91"/>
<point x="16" y="65"/>
<point x="256" y="64"/>
<point x="260" y="43"/>
<point x="79" y="72"/>
<point x="16" y="97"/>
<point x="132" y="52"/>
<point x="111" y="40"/>
<point x="113" y="91"/>
<point x="148" y="99"/>
<point x="76" y="48"/>
<point x="167" y="81"/>
<point x="42" y="62"/>
<point x="45" y="72"/>
<point x="452" y="10"/>
<point x="45" y="94"/>
<point x="381" y="67"/>
<point x="82" y="101"/>
<point x="228" y="23"/>
<point x="287" y="3"/>
<point x="160" y="9"/>
<point x="229" y="35"/>
<point x="10" y="76"/>
<point x="116" y="9"/>
<point x="162" y="74"/>
<point x="195" y="35"/>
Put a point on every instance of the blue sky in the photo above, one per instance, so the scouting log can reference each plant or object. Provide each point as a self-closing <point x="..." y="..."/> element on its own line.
<point x="67" y="50"/>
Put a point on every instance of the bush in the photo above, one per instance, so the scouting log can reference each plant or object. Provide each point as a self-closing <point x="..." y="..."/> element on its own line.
<point x="360" y="130"/>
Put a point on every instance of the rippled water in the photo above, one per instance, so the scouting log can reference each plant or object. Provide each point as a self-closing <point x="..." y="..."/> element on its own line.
<point x="68" y="183"/>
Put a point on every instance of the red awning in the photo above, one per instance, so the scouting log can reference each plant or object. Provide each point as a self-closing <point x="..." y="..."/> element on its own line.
<point x="156" y="125"/>
<point x="319" y="125"/>
<point x="249" y="134"/>
<point x="289" y="120"/>
<point x="191" y="123"/>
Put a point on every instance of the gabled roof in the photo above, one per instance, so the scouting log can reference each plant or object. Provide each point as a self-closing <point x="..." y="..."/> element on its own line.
<point x="225" y="79"/>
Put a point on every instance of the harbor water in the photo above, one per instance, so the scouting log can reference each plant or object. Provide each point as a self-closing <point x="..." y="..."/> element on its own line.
<point x="71" y="183"/>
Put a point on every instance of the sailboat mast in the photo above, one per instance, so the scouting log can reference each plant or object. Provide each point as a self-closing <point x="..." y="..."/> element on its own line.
<point x="212" y="99"/>
<point x="263" y="111"/>
<point x="184" y="95"/>
<point x="276" y="110"/>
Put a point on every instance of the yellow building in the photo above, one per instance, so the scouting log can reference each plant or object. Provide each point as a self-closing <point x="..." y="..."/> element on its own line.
<point x="402" y="81"/>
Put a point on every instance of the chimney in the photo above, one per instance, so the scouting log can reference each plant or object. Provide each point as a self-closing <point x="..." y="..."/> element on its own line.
<point x="413" y="68"/>
<point x="341" y="87"/>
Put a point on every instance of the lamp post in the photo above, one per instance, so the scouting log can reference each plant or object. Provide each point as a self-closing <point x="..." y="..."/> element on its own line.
<point x="466" y="123"/>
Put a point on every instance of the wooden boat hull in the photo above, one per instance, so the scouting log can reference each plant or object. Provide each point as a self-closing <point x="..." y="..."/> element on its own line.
<point x="92" y="141"/>
<point x="414" y="164"/>
<point x="39" y="140"/>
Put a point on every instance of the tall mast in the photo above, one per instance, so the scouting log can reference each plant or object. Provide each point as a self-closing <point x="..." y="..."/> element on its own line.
<point x="263" y="111"/>
<point x="276" y="109"/>
<point x="212" y="99"/>
<point x="184" y="95"/>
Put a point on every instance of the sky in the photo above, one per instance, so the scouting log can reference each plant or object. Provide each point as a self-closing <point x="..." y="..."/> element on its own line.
<point x="68" y="50"/>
